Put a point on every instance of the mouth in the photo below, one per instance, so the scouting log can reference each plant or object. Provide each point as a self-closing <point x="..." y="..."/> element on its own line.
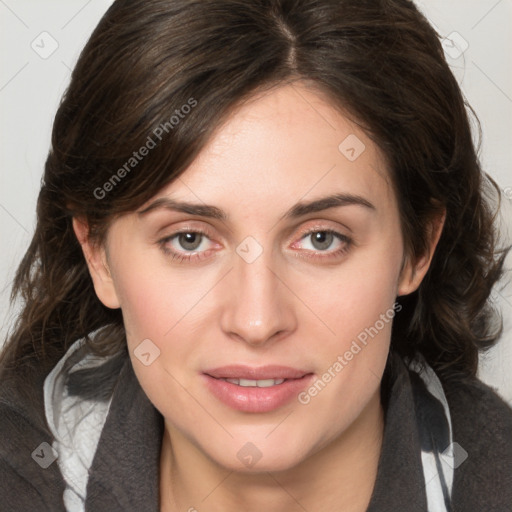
<point x="243" y="372"/>
<point x="256" y="390"/>
<point x="249" y="383"/>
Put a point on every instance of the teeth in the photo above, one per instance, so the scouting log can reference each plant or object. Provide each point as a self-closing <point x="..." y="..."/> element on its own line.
<point x="263" y="383"/>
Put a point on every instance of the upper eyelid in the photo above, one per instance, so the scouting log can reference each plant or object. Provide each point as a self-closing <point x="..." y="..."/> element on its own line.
<point x="320" y="227"/>
<point x="314" y="224"/>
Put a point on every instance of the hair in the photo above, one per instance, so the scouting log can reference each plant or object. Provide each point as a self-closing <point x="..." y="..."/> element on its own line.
<point x="380" y="61"/>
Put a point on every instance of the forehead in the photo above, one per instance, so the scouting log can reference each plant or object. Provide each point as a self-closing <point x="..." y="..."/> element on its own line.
<point x="281" y="146"/>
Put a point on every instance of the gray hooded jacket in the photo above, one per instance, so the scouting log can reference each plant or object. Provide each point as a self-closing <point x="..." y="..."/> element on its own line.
<point x="445" y="448"/>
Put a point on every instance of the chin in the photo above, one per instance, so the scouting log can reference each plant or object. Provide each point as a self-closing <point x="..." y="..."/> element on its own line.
<point x="260" y="455"/>
<point x="274" y="463"/>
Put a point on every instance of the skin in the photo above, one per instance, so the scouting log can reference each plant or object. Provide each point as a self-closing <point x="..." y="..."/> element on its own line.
<point x="276" y="150"/>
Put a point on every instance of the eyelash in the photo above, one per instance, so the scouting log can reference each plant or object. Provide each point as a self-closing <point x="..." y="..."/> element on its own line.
<point x="180" y="257"/>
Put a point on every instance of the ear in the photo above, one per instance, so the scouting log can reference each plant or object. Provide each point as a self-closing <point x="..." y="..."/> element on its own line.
<point x="413" y="272"/>
<point x="96" y="258"/>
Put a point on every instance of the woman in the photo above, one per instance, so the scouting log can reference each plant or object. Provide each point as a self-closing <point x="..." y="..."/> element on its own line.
<point x="260" y="274"/>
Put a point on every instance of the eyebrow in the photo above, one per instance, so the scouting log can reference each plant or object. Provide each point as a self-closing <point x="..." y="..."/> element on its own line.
<point x="298" y="210"/>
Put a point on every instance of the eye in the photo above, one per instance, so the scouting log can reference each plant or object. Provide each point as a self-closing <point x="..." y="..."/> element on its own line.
<point x="323" y="239"/>
<point x="195" y="244"/>
<point x="178" y="244"/>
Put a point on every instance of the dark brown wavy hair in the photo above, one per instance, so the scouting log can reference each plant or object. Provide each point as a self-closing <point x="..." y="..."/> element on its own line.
<point x="378" y="60"/>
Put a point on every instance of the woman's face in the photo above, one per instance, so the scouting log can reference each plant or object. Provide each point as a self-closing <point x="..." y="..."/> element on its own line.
<point x="281" y="280"/>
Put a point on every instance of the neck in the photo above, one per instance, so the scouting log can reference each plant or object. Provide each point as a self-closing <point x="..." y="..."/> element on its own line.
<point x="340" y="476"/>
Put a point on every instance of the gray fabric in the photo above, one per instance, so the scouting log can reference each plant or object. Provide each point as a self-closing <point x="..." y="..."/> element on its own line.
<point x="76" y="422"/>
<point x="124" y="472"/>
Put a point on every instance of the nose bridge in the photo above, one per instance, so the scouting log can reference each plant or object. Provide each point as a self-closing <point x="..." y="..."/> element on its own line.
<point x="256" y="309"/>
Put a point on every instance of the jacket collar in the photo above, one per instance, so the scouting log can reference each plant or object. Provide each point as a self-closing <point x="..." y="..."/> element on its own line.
<point x="400" y="483"/>
<point x="125" y="470"/>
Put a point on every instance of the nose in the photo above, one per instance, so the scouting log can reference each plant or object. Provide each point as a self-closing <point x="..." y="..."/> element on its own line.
<point x="259" y="306"/>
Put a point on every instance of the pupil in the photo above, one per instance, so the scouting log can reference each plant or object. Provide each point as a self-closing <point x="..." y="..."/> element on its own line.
<point x="321" y="237"/>
<point x="188" y="239"/>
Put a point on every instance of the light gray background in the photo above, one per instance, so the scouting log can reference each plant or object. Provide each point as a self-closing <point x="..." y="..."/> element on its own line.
<point x="31" y="87"/>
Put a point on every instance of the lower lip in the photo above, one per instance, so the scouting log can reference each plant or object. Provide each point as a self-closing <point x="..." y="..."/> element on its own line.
<point x="254" y="399"/>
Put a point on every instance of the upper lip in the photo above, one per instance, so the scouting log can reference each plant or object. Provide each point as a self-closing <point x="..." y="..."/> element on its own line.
<point x="237" y="371"/>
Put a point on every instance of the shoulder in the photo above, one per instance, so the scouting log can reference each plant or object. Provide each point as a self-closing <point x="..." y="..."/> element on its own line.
<point x="480" y="413"/>
<point x="482" y="429"/>
<point x="29" y="477"/>
<point x="51" y="417"/>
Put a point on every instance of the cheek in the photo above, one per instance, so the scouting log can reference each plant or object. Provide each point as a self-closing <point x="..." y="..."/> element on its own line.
<point x="147" y="308"/>
<point x="154" y="298"/>
<point x="358" y="305"/>
<point x="155" y="306"/>
<point x="165" y="306"/>
<point x="357" y="293"/>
